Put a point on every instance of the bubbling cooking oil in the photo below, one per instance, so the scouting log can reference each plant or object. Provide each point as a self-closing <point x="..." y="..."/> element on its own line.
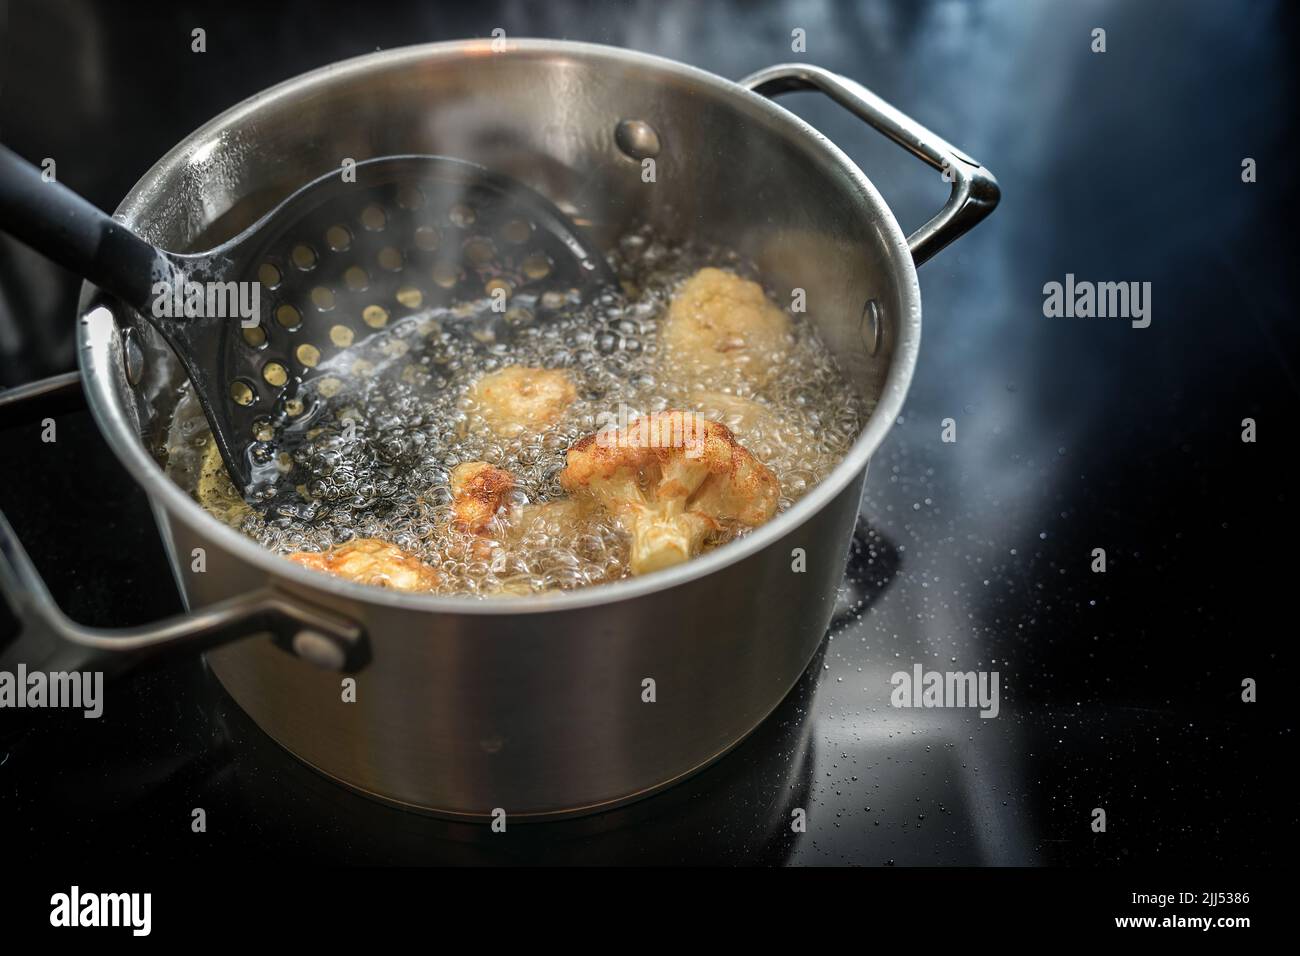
<point x="396" y="414"/>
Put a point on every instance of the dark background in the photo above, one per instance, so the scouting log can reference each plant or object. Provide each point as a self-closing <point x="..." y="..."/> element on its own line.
<point x="1119" y="690"/>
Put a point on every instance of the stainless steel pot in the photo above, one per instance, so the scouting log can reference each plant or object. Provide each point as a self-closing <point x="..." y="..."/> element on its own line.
<point x="531" y="705"/>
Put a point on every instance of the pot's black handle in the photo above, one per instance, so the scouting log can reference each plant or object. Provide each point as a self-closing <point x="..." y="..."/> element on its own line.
<point x="50" y="641"/>
<point x="974" y="190"/>
<point x="58" y="223"/>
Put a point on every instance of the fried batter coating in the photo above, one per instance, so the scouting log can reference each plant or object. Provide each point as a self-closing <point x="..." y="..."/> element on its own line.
<point x="745" y="417"/>
<point x="215" y="491"/>
<point x="517" y="399"/>
<point x="719" y="322"/>
<point x="478" y="491"/>
<point x="550" y="516"/>
<point x="371" y="561"/>
<point x="675" y="481"/>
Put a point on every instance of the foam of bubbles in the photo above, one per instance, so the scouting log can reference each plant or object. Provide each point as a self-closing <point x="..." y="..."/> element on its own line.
<point x="405" y="393"/>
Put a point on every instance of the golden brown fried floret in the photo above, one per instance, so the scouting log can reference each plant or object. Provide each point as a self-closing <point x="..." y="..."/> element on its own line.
<point x="371" y="561"/>
<point x="516" y="399"/>
<point x="675" y="481"/>
<point x="719" y="322"/>
<point x="478" y="491"/>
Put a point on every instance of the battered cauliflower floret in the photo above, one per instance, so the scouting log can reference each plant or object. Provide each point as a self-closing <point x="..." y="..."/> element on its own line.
<point x="509" y="550"/>
<point x="371" y="561"/>
<point x="215" y="491"/>
<point x="675" y="481"/>
<point x="719" y="322"/>
<point x="559" y="518"/>
<point x="552" y="515"/>
<point x="516" y="399"/>
<point x="478" y="491"/>
<point x="745" y="417"/>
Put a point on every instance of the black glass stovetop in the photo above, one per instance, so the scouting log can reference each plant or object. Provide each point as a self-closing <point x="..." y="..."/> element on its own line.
<point x="1118" y="690"/>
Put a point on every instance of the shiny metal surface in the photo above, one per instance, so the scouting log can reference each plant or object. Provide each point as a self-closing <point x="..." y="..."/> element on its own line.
<point x="974" y="190"/>
<point x="534" y="705"/>
<point x="50" y="641"/>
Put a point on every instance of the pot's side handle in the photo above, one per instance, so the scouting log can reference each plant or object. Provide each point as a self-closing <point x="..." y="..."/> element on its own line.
<point x="974" y="190"/>
<point x="50" y="641"/>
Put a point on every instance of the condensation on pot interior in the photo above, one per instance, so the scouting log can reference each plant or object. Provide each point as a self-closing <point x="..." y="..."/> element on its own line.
<point x="398" y="418"/>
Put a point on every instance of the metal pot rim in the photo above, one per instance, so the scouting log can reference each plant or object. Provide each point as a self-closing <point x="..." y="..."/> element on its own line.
<point x="125" y="442"/>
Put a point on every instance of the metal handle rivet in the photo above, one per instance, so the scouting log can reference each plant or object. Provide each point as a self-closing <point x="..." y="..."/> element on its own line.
<point x="871" y="326"/>
<point x="132" y="357"/>
<point x="318" y="649"/>
<point x="637" y="139"/>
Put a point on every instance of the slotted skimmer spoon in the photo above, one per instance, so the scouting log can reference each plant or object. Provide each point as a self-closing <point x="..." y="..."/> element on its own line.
<point x="341" y="258"/>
